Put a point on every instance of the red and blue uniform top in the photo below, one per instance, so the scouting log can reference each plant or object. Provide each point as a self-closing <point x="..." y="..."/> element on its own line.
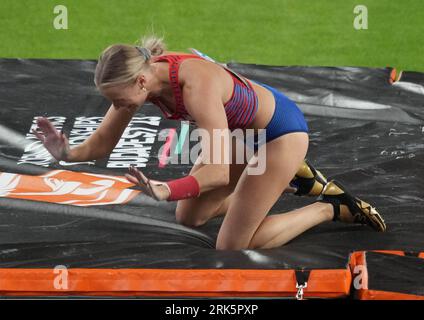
<point x="240" y="109"/>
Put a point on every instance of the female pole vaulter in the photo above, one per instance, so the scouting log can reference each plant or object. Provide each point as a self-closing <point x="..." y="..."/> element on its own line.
<point x="190" y="87"/>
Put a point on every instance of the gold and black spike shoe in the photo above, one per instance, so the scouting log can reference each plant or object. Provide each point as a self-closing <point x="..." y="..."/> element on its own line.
<point x="354" y="210"/>
<point x="308" y="180"/>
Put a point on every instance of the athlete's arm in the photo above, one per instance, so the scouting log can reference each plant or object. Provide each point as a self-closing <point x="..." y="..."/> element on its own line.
<point x="98" y="145"/>
<point x="203" y="101"/>
<point x="102" y="141"/>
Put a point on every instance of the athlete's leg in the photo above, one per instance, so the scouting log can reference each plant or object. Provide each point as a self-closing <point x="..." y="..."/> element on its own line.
<point x="334" y="203"/>
<point x="246" y="225"/>
<point x="197" y="211"/>
<point x="278" y="229"/>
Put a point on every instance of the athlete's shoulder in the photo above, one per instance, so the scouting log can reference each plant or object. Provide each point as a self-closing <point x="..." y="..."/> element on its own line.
<point x="193" y="70"/>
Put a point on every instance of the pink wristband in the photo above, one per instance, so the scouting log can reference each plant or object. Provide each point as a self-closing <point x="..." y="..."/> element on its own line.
<point x="183" y="188"/>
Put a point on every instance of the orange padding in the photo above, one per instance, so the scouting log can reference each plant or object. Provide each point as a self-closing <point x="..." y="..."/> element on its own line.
<point x="173" y="282"/>
<point x="393" y="76"/>
<point x="359" y="259"/>
<point x="383" y="295"/>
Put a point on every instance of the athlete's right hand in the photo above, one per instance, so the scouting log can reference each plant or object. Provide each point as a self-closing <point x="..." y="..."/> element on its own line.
<point x="53" y="140"/>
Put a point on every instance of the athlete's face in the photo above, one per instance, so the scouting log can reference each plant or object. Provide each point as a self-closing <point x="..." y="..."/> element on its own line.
<point x="129" y="96"/>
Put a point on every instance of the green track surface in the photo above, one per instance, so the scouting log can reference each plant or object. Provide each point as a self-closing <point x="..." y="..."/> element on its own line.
<point x="272" y="32"/>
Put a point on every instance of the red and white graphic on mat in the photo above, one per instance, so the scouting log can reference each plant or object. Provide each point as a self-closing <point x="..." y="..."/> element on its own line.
<point x="67" y="187"/>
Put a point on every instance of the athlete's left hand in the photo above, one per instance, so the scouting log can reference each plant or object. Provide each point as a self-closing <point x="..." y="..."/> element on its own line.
<point x="153" y="188"/>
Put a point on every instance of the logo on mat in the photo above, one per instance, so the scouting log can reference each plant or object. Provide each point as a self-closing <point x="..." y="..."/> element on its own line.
<point x="67" y="187"/>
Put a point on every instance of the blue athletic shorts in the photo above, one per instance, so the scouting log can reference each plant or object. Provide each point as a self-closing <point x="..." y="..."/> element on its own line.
<point x="287" y="118"/>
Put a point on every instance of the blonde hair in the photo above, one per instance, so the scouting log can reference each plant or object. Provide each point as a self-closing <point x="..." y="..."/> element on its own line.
<point x="120" y="64"/>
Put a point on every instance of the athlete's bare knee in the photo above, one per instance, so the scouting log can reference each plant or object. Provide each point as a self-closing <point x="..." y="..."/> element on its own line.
<point x="187" y="218"/>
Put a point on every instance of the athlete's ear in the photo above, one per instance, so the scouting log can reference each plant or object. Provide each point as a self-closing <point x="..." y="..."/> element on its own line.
<point x="141" y="81"/>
